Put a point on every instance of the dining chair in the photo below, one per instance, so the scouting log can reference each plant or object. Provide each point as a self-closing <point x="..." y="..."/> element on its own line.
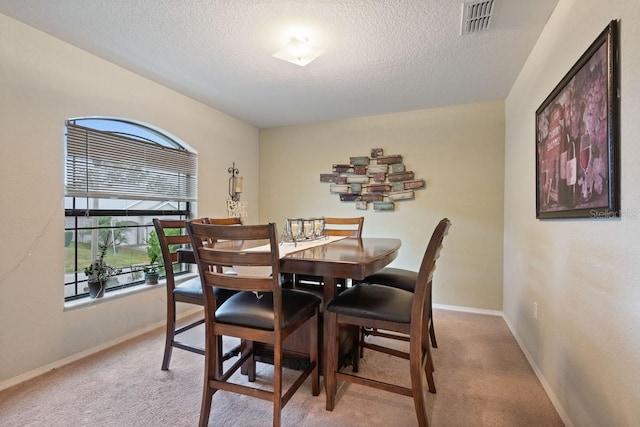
<point x="390" y="309"/>
<point x="347" y="227"/>
<point x="172" y="235"/>
<point x="260" y="311"/>
<point x="402" y="279"/>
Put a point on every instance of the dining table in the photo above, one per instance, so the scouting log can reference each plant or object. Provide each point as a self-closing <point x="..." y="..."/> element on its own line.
<point x="348" y="258"/>
<point x="331" y="258"/>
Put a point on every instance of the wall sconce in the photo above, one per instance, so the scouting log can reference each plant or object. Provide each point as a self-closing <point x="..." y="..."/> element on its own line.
<point x="235" y="183"/>
<point x="298" y="51"/>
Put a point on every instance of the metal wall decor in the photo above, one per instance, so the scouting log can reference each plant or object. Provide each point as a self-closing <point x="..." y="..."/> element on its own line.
<point x="235" y="183"/>
<point x="235" y="208"/>
<point x="376" y="179"/>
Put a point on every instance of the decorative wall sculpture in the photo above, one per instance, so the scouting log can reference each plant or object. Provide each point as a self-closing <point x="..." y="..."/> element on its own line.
<point x="377" y="179"/>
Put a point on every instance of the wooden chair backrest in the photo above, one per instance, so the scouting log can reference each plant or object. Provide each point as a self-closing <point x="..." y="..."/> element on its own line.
<point x="218" y="221"/>
<point x="231" y="249"/>
<point x="169" y="242"/>
<point x="224" y="221"/>
<point x="350" y="227"/>
<point x="422" y="293"/>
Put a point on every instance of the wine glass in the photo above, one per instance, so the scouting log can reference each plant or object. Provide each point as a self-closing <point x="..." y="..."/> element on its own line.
<point x="545" y="183"/>
<point x="585" y="160"/>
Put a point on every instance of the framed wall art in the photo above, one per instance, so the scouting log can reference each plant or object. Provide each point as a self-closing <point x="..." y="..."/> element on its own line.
<point x="577" y="137"/>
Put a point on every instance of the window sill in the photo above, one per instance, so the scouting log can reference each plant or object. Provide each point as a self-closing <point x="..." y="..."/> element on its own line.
<point x="121" y="293"/>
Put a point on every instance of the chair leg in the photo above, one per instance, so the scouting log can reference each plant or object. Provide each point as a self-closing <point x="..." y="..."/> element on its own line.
<point x="428" y="335"/>
<point x="169" y="335"/>
<point x="205" y="408"/>
<point x="432" y="331"/>
<point x="363" y="333"/>
<point x="426" y="351"/>
<point x="428" y="370"/>
<point x="331" y="361"/>
<point x="277" y="384"/>
<point x="212" y="369"/>
<point x="251" y="362"/>
<point x="244" y="369"/>
<point x="356" y="348"/>
<point x="220" y="358"/>
<point x="313" y="354"/>
<point x="415" y="363"/>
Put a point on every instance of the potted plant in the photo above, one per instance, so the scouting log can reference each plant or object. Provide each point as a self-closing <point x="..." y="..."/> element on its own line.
<point x="98" y="273"/>
<point x="151" y="271"/>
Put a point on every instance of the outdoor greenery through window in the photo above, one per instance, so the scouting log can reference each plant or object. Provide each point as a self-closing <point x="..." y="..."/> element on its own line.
<point x="119" y="175"/>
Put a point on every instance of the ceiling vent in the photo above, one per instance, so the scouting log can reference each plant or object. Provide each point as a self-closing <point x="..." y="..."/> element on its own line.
<point x="476" y="16"/>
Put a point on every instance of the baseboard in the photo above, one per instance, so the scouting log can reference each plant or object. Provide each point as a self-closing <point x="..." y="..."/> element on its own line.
<point x="62" y="362"/>
<point x="468" y="309"/>
<point x="554" y="400"/>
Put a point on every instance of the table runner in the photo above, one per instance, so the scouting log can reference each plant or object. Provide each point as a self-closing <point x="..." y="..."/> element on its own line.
<point x="284" y="249"/>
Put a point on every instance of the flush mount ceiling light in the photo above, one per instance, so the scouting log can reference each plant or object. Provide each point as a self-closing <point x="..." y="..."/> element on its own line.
<point x="298" y="51"/>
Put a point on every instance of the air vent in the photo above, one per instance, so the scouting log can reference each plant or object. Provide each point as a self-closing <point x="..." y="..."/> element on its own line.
<point x="476" y="16"/>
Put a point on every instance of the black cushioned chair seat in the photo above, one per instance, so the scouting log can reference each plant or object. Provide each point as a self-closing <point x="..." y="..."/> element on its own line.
<point x="246" y="309"/>
<point x="394" y="277"/>
<point x="192" y="289"/>
<point x="317" y="291"/>
<point x="372" y="301"/>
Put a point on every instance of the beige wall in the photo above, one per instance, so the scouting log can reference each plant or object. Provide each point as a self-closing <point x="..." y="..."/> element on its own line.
<point x="459" y="151"/>
<point x="583" y="274"/>
<point x="44" y="81"/>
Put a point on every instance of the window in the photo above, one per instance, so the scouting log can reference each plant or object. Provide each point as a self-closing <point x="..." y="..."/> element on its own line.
<point x="119" y="175"/>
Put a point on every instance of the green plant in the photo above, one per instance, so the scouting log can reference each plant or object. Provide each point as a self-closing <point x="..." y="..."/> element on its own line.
<point x="99" y="270"/>
<point x="153" y="251"/>
<point x="153" y="247"/>
<point x="152" y="268"/>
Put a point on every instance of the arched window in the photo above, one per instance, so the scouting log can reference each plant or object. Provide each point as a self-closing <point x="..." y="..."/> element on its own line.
<point x="119" y="175"/>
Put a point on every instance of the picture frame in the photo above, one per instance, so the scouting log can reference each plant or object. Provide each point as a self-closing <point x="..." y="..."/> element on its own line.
<point x="577" y="137"/>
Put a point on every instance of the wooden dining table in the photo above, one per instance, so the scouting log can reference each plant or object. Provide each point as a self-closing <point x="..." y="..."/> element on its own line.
<point x="349" y="258"/>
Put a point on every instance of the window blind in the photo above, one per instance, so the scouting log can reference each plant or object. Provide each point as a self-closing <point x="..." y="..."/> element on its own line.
<point x="107" y="165"/>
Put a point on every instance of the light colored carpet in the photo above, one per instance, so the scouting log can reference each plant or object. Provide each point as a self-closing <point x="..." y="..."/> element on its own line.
<point x="482" y="377"/>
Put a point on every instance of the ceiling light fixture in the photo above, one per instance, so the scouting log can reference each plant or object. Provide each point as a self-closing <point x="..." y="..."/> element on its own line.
<point x="298" y="51"/>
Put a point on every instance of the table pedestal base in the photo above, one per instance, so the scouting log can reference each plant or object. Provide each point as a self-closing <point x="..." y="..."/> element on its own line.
<point x="296" y="348"/>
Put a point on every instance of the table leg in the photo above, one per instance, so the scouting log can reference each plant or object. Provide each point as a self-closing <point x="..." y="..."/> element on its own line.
<point x="329" y="292"/>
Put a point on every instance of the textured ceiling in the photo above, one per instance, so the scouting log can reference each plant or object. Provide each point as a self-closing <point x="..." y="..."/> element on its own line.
<point x="382" y="56"/>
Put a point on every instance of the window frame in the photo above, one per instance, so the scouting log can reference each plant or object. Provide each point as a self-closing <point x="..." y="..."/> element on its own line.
<point x="78" y="206"/>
